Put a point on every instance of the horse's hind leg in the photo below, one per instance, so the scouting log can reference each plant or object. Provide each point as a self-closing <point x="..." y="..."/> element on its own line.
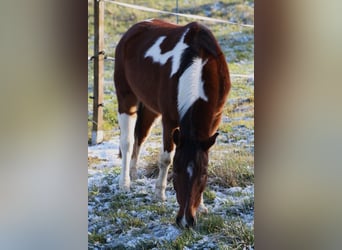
<point x="127" y="119"/>
<point x="202" y="208"/>
<point x="126" y="123"/>
<point x="143" y="126"/>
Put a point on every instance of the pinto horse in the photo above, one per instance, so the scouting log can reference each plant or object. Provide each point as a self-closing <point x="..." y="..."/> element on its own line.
<point x="181" y="74"/>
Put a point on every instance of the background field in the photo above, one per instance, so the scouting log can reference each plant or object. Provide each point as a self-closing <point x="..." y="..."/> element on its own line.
<point x="136" y="221"/>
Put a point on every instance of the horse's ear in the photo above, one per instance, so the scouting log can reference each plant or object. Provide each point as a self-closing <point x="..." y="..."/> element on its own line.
<point x="176" y="136"/>
<point x="205" y="145"/>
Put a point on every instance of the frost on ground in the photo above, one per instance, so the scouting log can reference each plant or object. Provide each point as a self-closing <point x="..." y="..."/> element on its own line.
<point x="136" y="220"/>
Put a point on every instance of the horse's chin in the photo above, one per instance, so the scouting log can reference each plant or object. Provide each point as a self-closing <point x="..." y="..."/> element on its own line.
<point x="184" y="222"/>
<point x="191" y="222"/>
<point x="180" y="221"/>
<point x="186" y="219"/>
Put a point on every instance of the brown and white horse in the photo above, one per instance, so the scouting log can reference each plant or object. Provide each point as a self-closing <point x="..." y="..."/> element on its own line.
<point x="180" y="73"/>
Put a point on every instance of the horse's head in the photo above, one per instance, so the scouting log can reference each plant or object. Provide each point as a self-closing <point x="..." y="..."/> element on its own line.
<point x="190" y="174"/>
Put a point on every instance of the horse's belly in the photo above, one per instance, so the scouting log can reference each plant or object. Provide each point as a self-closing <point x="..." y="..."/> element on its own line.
<point x="146" y="94"/>
<point x="151" y="103"/>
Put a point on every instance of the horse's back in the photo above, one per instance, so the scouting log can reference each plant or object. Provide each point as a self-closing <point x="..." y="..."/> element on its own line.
<point x="143" y="34"/>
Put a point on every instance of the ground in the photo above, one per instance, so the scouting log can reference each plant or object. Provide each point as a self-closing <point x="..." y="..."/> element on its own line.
<point x="135" y="220"/>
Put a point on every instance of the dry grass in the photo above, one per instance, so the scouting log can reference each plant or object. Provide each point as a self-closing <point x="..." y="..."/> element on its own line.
<point x="231" y="167"/>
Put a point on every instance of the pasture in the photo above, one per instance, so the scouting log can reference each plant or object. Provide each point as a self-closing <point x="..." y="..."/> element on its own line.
<point x="135" y="220"/>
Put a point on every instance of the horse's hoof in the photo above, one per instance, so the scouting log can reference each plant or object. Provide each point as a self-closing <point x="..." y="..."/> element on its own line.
<point x="160" y="195"/>
<point x="160" y="192"/>
<point x="124" y="185"/>
<point x="134" y="174"/>
<point x="202" y="209"/>
<point x="125" y="188"/>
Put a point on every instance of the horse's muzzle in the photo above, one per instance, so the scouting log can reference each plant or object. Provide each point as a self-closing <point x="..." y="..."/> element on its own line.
<point x="183" y="222"/>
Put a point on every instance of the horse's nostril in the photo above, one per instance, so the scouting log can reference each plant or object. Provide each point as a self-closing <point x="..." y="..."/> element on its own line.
<point x="183" y="222"/>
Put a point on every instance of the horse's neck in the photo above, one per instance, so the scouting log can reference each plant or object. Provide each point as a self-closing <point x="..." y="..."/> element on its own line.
<point x="196" y="124"/>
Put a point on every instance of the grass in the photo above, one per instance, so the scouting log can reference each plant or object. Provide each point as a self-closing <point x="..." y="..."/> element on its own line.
<point x="96" y="238"/>
<point x="94" y="161"/>
<point x="94" y="191"/>
<point x="208" y="195"/>
<point x="239" y="235"/>
<point x="120" y="201"/>
<point x="226" y="128"/>
<point x="152" y="169"/>
<point x="231" y="167"/>
<point x="187" y="237"/>
<point x="210" y="223"/>
<point x="125" y="221"/>
<point x="154" y="208"/>
<point x="234" y="210"/>
<point x="231" y="234"/>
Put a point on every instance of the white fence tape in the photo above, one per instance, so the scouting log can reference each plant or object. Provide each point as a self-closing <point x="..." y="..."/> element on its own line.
<point x="142" y="8"/>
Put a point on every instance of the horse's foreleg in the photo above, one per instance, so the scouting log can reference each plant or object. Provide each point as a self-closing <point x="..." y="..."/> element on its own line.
<point x="164" y="165"/>
<point x="165" y="160"/>
<point x="202" y="208"/>
<point x="127" y="124"/>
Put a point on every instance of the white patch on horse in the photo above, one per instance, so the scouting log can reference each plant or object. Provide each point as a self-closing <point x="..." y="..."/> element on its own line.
<point x="149" y="20"/>
<point x="126" y="123"/>
<point x="183" y="221"/>
<point x="165" y="161"/>
<point x="155" y="53"/>
<point x="190" y="169"/>
<point x="190" y="86"/>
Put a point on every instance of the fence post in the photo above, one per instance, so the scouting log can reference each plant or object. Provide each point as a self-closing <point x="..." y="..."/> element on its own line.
<point x="97" y="131"/>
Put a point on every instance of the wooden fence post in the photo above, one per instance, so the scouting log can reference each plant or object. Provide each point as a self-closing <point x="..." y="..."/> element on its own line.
<point x="97" y="131"/>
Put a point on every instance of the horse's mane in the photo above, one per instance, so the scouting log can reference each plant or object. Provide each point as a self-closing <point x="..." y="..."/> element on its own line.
<point x="203" y="39"/>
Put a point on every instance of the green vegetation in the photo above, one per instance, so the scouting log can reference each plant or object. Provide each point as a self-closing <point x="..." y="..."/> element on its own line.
<point x="239" y="235"/>
<point x="225" y="234"/>
<point x="210" y="223"/>
<point x="187" y="237"/>
<point x="231" y="167"/>
<point x="209" y="196"/>
<point x="96" y="238"/>
<point x="124" y="220"/>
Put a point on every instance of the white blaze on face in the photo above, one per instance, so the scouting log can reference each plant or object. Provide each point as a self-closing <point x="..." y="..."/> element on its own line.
<point x="190" y="86"/>
<point x="190" y="169"/>
<point x="176" y="53"/>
